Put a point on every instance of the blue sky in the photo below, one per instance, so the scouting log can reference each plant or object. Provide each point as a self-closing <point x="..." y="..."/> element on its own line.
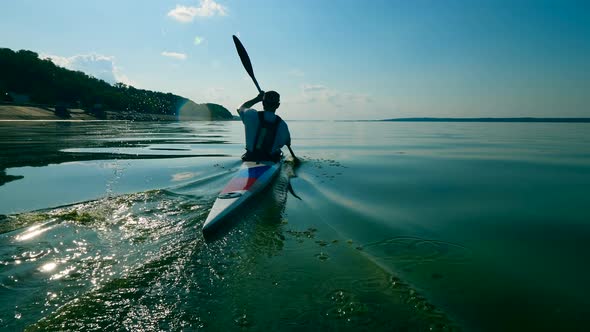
<point x="329" y="59"/>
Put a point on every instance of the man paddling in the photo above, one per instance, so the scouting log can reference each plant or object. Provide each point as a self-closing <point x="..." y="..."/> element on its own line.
<point x="266" y="132"/>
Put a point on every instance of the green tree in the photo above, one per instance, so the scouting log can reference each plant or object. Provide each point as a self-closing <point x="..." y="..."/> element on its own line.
<point x="45" y="83"/>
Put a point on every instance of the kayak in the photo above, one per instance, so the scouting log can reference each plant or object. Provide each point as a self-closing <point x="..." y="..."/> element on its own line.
<point x="251" y="178"/>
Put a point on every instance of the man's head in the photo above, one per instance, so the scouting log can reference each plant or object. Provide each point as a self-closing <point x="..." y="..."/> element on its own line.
<point x="271" y="101"/>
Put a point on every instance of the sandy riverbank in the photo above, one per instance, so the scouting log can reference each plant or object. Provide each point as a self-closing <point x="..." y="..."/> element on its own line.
<point x="21" y="113"/>
<point x="11" y="112"/>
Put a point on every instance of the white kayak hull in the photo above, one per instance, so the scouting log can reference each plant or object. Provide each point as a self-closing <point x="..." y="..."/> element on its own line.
<point x="251" y="178"/>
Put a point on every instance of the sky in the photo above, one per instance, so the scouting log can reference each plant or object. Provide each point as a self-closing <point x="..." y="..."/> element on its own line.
<point x="329" y="59"/>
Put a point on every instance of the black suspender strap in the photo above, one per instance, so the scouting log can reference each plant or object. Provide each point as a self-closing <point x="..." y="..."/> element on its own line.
<point x="265" y="135"/>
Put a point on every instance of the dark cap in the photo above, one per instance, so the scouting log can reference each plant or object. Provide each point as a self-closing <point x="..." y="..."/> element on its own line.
<point x="271" y="97"/>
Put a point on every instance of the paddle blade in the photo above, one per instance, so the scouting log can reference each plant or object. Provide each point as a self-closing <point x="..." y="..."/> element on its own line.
<point x="290" y="188"/>
<point x="245" y="60"/>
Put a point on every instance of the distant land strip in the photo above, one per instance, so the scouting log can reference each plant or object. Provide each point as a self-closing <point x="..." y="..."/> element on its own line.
<point x="523" y="119"/>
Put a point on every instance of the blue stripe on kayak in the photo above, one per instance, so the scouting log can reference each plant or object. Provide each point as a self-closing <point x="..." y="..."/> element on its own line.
<point x="253" y="172"/>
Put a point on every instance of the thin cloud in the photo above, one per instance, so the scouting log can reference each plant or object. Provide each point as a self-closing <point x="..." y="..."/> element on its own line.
<point x="207" y="8"/>
<point x="217" y="94"/>
<point x="97" y="65"/>
<point x="309" y="88"/>
<point x="296" y="72"/>
<point x="174" y="55"/>
<point x="317" y="93"/>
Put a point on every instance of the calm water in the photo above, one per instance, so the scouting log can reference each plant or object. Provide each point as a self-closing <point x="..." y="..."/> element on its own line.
<point x="401" y="226"/>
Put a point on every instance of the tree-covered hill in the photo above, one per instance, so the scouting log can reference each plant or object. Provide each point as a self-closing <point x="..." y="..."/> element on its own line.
<point x="24" y="73"/>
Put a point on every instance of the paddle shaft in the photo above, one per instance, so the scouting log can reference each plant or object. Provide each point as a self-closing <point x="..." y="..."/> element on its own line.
<point x="293" y="154"/>
<point x="246" y="61"/>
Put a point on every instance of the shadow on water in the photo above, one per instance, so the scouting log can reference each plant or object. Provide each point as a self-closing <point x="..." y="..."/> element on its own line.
<point x="8" y="178"/>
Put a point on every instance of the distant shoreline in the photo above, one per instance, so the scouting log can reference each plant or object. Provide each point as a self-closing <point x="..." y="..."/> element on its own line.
<point x="20" y="113"/>
<point x="519" y="119"/>
<point x="13" y="113"/>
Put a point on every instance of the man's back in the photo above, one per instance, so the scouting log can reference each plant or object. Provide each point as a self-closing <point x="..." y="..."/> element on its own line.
<point x="251" y="122"/>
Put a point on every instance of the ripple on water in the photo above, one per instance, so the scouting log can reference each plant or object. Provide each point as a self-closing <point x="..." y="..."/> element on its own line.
<point x="339" y="303"/>
<point x="325" y="169"/>
<point x="411" y="251"/>
<point x="370" y="301"/>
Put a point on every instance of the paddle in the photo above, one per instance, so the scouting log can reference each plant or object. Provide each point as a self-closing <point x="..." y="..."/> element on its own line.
<point x="248" y="66"/>
<point x="246" y="61"/>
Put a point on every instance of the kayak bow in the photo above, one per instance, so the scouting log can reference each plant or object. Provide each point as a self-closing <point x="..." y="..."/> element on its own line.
<point x="251" y="178"/>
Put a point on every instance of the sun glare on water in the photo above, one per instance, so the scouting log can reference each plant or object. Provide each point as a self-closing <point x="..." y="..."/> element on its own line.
<point x="48" y="267"/>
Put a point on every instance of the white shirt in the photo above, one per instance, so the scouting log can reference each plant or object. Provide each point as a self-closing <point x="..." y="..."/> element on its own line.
<point x="249" y="117"/>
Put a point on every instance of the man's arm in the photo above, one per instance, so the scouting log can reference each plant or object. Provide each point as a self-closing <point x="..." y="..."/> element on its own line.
<point x="252" y="102"/>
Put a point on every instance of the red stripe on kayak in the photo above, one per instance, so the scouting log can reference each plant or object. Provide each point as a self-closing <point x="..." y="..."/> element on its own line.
<point x="253" y="172"/>
<point x="237" y="184"/>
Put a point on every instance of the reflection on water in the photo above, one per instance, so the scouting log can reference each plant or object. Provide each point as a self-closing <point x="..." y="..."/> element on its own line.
<point x="35" y="143"/>
<point x="80" y="161"/>
<point x="400" y="226"/>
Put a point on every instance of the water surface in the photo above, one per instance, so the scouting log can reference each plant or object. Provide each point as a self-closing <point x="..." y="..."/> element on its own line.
<point x="410" y="226"/>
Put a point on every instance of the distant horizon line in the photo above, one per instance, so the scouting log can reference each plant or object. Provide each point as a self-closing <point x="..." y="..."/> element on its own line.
<point x="490" y="119"/>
